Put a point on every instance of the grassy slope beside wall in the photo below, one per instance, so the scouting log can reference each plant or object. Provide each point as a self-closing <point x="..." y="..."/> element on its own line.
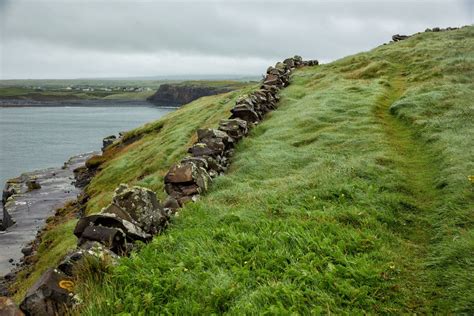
<point x="352" y="197"/>
<point x="143" y="162"/>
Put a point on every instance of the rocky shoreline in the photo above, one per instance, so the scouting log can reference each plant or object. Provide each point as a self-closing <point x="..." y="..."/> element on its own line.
<point x="27" y="202"/>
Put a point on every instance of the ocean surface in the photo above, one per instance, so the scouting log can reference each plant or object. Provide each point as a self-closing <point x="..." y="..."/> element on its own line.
<point x="34" y="138"/>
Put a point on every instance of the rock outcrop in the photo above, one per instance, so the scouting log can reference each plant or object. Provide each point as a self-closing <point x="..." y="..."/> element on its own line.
<point x="178" y="94"/>
<point x="107" y="141"/>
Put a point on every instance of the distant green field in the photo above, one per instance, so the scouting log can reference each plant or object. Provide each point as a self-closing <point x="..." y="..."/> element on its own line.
<point x="50" y="90"/>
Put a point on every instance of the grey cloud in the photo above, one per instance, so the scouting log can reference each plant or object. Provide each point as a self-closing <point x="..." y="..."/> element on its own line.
<point x="206" y="30"/>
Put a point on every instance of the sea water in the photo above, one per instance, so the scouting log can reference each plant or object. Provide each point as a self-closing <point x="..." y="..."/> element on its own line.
<point x="33" y="138"/>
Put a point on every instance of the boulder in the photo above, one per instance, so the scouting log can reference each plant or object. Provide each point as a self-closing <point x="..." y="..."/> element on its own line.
<point x="32" y="184"/>
<point x="212" y="147"/>
<point x="67" y="264"/>
<point x="9" y="308"/>
<point x="398" y="37"/>
<point x="187" y="172"/>
<point x="272" y="90"/>
<point x="143" y="207"/>
<point x="235" y="128"/>
<point x="211" y="164"/>
<point x="210" y="134"/>
<point x="313" y="62"/>
<point x="256" y="101"/>
<point x="245" y="112"/>
<point x="6" y="220"/>
<point x="201" y="162"/>
<point x="83" y="176"/>
<point x="186" y="179"/>
<point x="289" y="62"/>
<point x="90" y="248"/>
<point x="50" y="295"/>
<point x="111" y="237"/>
<point x="26" y="251"/>
<point x="123" y="228"/>
<point x="8" y="190"/>
<point x="273" y="80"/>
<point x="180" y="173"/>
<point x="298" y="60"/>
<point x="171" y="205"/>
<point x="107" y="141"/>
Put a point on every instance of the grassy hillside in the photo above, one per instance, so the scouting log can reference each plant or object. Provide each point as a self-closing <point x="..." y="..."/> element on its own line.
<point x="356" y="196"/>
<point x="143" y="162"/>
<point x="159" y="144"/>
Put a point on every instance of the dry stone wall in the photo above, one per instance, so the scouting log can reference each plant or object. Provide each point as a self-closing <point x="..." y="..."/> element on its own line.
<point x="210" y="155"/>
<point x="398" y="37"/>
<point x="135" y="213"/>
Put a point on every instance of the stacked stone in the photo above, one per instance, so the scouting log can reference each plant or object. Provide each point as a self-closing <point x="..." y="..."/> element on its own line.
<point x="312" y="62"/>
<point x="210" y="155"/>
<point x="398" y="37"/>
<point x="136" y="214"/>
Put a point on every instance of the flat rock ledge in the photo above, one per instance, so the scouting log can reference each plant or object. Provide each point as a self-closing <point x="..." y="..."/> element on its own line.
<point x="27" y="202"/>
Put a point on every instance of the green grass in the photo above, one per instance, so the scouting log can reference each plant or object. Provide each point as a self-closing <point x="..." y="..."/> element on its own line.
<point x="352" y="198"/>
<point x="55" y="243"/>
<point x="160" y="144"/>
<point x="166" y="140"/>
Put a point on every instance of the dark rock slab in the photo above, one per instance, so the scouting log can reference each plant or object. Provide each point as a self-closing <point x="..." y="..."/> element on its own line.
<point x="398" y="37"/>
<point x="50" y="295"/>
<point x="107" y="141"/>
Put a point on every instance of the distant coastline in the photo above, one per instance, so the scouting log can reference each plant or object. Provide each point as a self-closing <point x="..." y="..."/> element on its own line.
<point x="18" y="103"/>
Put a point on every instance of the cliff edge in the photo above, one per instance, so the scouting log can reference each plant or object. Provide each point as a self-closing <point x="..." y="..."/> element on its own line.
<point x="179" y="94"/>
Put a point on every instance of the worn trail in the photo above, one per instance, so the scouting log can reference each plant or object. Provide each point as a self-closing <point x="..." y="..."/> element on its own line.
<point x="413" y="160"/>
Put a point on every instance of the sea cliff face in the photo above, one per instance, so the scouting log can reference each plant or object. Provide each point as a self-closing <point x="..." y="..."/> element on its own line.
<point x="179" y="94"/>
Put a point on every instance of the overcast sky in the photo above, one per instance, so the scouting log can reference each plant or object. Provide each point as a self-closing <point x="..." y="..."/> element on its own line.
<point x="107" y="38"/>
